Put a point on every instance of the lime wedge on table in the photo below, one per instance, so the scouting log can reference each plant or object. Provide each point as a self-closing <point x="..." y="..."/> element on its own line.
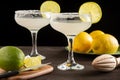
<point x="93" y="8"/>
<point x="32" y="61"/>
<point x="50" y="6"/>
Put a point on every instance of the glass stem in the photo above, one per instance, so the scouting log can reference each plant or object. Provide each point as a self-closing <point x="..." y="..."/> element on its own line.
<point x="71" y="60"/>
<point x="34" y="43"/>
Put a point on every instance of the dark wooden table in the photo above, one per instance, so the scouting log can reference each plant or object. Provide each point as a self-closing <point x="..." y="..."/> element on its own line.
<point x="58" y="55"/>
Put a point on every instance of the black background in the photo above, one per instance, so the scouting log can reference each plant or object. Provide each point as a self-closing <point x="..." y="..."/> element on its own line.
<point x="13" y="34"/>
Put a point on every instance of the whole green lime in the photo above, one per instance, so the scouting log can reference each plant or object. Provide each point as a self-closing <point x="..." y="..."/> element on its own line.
<point x="11" y="58"/>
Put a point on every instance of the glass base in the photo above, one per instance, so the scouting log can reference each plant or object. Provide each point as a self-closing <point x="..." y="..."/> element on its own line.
<point x="67" y="66"/>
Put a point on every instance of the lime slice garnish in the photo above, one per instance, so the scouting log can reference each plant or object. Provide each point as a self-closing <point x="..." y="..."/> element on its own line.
<point x="32" y="61"/>
<point x="50" y="6"/>
<point x="93" y="8"/>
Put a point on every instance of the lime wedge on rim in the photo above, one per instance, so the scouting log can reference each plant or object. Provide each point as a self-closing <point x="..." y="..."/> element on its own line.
<point x="50" y="6"/>
<point x="93" y="8"/>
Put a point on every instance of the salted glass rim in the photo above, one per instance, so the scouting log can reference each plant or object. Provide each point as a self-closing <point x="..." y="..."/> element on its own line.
<point x="87" y="16"/>
<point x="29" y="12"/>
<point x="73" y="13"/>
<point x="32" y="13"/>
<point x="70" y="13"/>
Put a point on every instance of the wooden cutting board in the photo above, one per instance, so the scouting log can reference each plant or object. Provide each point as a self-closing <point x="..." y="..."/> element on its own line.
<point x="31" y="74"/>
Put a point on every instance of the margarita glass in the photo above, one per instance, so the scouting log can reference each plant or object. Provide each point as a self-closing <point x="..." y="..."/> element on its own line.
<point x="70" y="24"/>
<point x="33" y="20"/>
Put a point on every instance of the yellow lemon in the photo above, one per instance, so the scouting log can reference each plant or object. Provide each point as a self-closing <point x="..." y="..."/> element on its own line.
<point x="50" y="6"/>
<point x="82" y="42"/>
<point x="96" y="33"/>
<point x="93" y="8"/>
<point x="32" y="61"/>
<point x="105" y="43"/>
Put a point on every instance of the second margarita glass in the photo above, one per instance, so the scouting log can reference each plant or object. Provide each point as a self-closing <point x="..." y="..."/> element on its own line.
<point x="70" y="24"/>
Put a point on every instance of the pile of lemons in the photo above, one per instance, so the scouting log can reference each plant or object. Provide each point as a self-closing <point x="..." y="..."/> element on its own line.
<point x="96" y="41"/>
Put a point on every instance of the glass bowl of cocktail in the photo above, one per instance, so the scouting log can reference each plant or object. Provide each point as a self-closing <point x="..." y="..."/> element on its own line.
<point x="70" y="24"/>
<point x="33" y="20"/>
